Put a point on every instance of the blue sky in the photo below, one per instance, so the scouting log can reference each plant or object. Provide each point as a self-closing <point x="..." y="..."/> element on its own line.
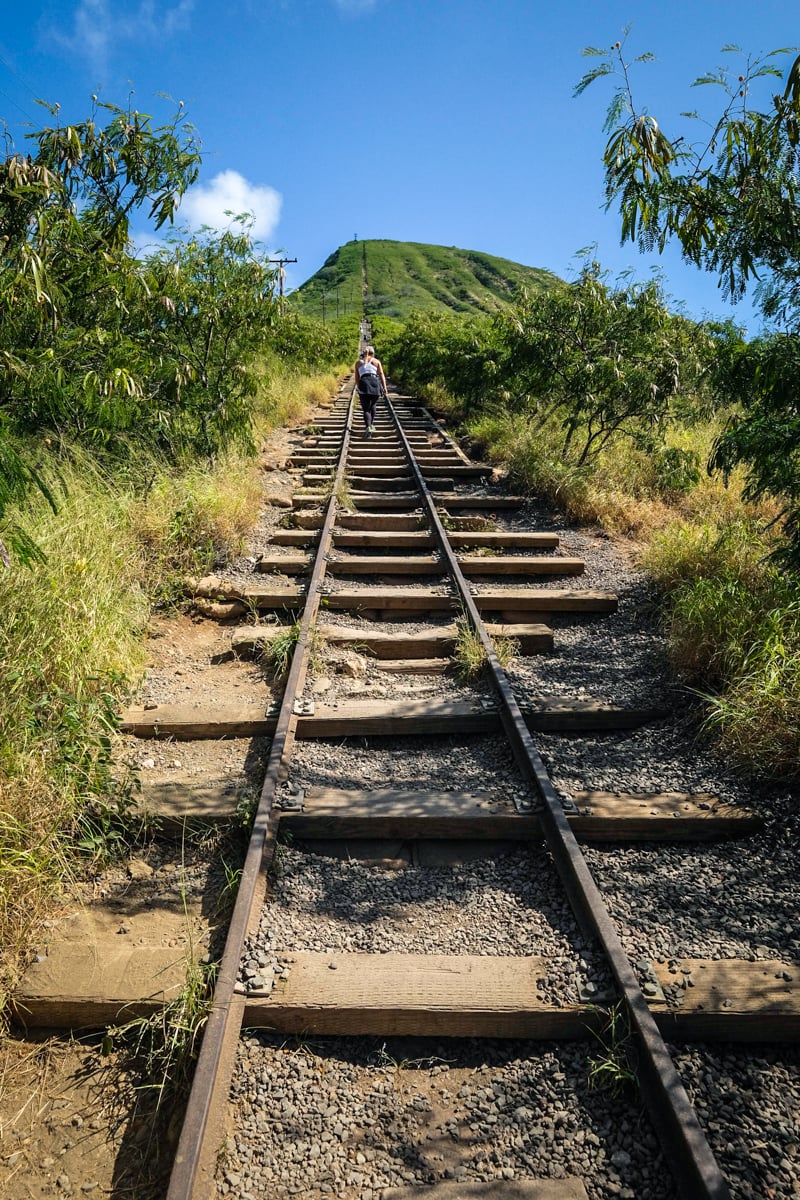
<point x="446" y="121"/>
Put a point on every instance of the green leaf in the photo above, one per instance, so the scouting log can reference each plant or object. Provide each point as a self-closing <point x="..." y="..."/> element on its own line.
<point x="606" y="68"/>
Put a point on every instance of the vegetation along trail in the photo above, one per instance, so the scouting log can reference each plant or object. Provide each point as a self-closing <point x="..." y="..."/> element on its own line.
<point x="420" y="986"/>
<point x="447" y="845"/>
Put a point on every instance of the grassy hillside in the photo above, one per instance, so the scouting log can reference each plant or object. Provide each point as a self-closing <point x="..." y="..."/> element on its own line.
<point x="392" y="278"/>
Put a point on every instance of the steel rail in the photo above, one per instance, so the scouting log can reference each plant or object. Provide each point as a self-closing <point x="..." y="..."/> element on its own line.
<point x="682" y="1139"/>
<point x="214" y="1069"/>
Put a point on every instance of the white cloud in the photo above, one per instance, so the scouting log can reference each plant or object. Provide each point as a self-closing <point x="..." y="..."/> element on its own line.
<point x="98" y="27"/>
<point x="229" y="192"/>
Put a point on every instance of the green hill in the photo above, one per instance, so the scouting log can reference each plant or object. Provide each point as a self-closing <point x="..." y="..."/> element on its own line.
<point x="392" y="278"/>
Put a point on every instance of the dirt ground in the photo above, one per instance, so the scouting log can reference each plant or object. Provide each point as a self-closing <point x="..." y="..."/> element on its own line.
<point x="71" y="1124"/>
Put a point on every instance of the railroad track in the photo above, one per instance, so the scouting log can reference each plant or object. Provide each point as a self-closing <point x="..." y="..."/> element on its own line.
<point x="395" y="554"/>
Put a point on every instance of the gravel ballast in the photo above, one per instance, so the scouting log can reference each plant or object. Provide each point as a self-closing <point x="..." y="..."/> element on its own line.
<point x="346" y="1118"/>
<point x="512" y="904"/>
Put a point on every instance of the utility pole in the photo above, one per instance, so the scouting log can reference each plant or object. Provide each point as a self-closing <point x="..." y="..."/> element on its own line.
<point x="281" y="273"/>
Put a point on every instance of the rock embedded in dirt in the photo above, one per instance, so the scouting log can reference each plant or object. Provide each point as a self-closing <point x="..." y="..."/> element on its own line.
<point x="139" y="869"/>
<point x="352" y="665"/>
<point x="220" y="611"/>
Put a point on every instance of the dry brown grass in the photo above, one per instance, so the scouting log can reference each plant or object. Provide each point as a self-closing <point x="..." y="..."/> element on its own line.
<point x="72" y="644"/>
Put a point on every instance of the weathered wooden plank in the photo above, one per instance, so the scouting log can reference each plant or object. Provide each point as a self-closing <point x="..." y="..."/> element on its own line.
<point x="569" y="1188"/>
<point x="730" y="1000"/>
<point x="182" y="800"/>
<point x="413" y="995"/>
<point x="508" y="564"/>
<point x="407" y="814"/>
<point x="370" y="718"/>
<point x="673" y="816"/>
<point x="379" y="521"/>
<point x="289" y="564"/>
<point x="506" y="540"/>
<point x="382" y="540"/>
<point x="272" y="596"/>
<point x="78" y="987"/>
<point x="384" y="564"/>
<point x="531" y="638"/>
<point x="370" y="537"/>
<point x="411" y="814"/>
<point x="388" y="470"/>
<point x="471" y="565"/>
<point x="187" y="722"/>
<point x="88" y="986"/>
<point x="528" y="600"/>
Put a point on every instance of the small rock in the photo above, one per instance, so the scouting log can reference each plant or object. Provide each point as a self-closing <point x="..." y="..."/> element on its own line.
<point x="139" y="869"/>
<point x="352" y="665"/>
<point x="147" y="764"/>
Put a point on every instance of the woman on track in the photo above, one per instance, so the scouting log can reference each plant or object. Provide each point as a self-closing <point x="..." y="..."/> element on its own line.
<point x="371" y="384"/>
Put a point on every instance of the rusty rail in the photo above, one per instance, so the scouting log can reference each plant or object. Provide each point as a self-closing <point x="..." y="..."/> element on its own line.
<point x="217" y="1054"/>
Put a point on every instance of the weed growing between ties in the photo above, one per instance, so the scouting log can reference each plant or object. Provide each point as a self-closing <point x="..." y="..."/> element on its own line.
<point x="610" y="1068"/>
<point x="150" y="1067"/>
<point x="469" y="655"/>
<point x="278" y="651"/>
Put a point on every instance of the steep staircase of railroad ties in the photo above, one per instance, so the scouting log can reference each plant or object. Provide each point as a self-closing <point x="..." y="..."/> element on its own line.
<point x="380" y="537"/>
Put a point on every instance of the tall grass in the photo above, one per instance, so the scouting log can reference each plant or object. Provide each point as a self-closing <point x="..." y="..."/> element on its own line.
<point x="71" y="632"/>
<point x="732" y="617"/>
<point x="733" y="620"/>
<point x="72" y="645"/>
<point x="625" y="489"/>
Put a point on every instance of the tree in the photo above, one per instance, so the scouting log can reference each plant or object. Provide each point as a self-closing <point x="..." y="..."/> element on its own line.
<point x="68" y="282"/>
<point x="731" y="201"/>
<point x="609" y="361"/>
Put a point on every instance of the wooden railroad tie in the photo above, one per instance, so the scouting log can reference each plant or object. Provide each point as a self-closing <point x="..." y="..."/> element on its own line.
<point x="371" y="718"/>
<point x="412" y="815"/>
<point x="541" y="601"/>
<point x="533" y="638"/>
<point x="384" y="564"/>
<point x="414" y="538"/>
<point x="411" y="994"/>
